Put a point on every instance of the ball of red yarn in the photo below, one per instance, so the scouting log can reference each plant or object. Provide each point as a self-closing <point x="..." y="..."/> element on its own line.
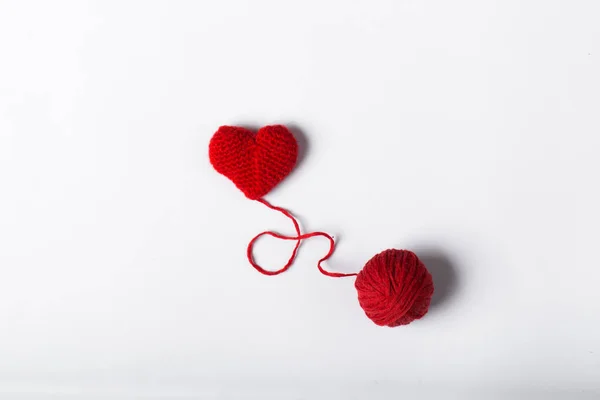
<point x="394" y="288"/>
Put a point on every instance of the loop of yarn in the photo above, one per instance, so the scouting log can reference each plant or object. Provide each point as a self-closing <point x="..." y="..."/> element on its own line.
<point x="298" y="238"/>
<point x="394" y="288"/>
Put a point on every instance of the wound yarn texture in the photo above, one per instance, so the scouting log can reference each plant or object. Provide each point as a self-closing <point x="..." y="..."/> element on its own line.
<point x="394" y="288"/>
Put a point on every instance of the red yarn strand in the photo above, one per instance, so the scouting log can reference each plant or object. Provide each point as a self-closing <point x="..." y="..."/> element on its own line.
<point x="298" y="238"/>
<point x="275" y="234"/>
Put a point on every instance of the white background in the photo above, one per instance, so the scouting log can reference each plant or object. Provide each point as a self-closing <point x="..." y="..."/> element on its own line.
<point x="467" y="131"/>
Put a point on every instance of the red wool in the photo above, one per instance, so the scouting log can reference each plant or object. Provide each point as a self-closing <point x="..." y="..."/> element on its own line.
<point x="255" y="163"/>
<point x="394" y="288"/>
<point x="299" y="237"/>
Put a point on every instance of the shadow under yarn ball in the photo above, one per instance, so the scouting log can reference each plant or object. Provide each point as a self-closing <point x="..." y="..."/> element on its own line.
<point x="394" y="288"/>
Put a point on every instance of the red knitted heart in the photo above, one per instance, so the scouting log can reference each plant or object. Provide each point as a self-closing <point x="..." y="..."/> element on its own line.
<point x="254" y="163"/>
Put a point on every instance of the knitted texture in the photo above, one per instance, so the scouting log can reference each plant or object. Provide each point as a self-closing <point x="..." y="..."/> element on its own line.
<point x="254" y="163"/>
<point x="394" y="288"/>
